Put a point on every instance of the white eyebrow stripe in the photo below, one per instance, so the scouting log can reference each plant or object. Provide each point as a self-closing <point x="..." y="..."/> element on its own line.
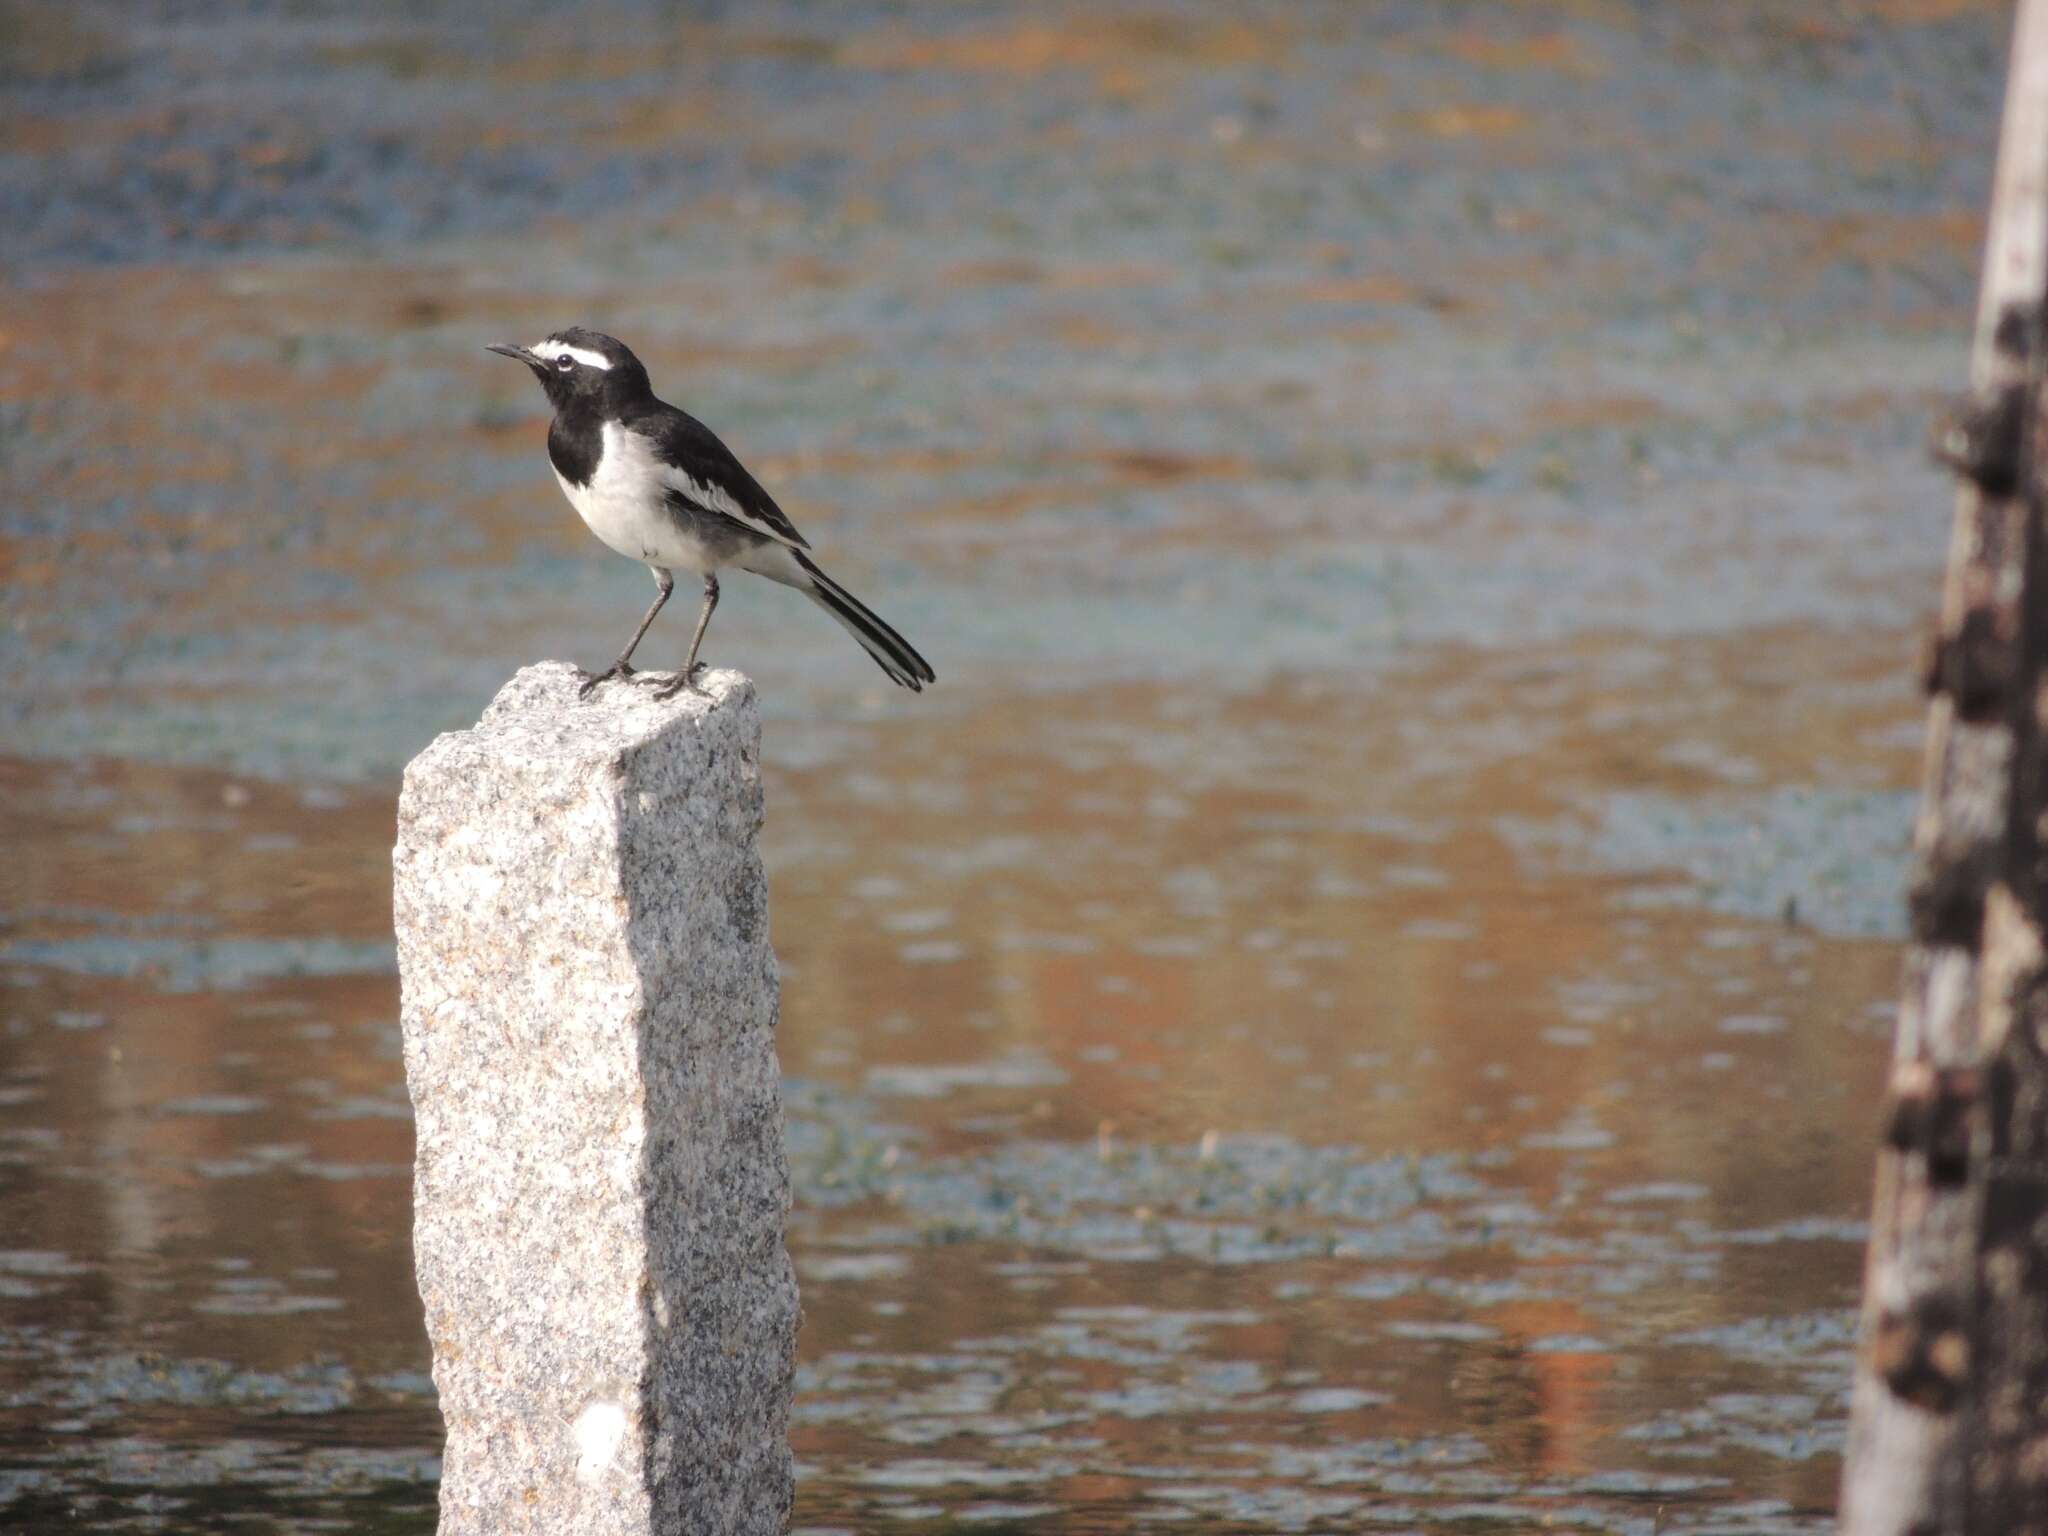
<point x="552" y="349"/>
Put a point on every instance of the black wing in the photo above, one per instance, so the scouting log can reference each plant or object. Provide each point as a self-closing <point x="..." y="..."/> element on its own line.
<point x="704" y="472"/>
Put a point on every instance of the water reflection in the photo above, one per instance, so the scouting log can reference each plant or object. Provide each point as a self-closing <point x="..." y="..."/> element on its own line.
<point x="1416" y="1164"/>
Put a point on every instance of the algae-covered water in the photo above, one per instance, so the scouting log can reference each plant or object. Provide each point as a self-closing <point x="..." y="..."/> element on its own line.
<point x="1357" y="1003"/>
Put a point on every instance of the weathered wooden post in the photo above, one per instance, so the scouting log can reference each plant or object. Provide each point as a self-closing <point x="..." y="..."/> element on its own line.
<point x="589" y="1009"/>
<point x="1949" y="1428"/>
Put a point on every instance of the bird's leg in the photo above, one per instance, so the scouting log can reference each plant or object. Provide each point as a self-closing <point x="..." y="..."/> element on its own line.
<point x="623" y="667"/>
<point x="688" y="679"/>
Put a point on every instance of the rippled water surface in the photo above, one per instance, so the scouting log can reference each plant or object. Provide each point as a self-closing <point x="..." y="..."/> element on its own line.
<point x="1358" y="1002"/>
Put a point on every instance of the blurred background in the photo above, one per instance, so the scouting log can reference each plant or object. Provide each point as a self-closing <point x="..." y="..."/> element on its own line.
<point x="1358" y="1002"/>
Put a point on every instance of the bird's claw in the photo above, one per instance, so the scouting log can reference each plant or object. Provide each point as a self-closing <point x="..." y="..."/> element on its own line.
<point x="684" y="680"/>
<point x="617" y="669"/>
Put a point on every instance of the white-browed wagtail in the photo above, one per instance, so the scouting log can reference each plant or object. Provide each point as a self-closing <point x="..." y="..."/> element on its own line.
<point x="658" y="486"/>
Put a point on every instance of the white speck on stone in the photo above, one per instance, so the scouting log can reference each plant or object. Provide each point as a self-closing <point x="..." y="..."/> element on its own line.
<point x="600" y="1431"/>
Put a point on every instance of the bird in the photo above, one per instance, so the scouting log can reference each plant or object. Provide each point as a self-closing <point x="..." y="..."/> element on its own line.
<point x="658" y="486"/>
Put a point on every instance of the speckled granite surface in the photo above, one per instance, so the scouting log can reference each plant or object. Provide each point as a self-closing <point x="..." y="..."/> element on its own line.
<point x="589" y="1010"/>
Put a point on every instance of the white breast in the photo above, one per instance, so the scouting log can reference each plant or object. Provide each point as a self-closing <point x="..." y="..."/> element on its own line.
<point x="623" y="505"/>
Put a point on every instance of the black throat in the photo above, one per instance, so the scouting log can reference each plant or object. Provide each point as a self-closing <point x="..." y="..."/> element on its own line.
<point x="576" y="441"/>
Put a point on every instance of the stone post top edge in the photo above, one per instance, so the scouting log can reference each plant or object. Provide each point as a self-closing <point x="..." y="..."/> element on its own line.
<point x="537" y="713"/>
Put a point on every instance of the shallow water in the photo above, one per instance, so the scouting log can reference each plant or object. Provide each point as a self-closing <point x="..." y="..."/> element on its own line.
<point x="1356" y="1004"/>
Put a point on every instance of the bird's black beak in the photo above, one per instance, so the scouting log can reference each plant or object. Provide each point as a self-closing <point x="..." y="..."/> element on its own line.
<point x="518" y="354"/>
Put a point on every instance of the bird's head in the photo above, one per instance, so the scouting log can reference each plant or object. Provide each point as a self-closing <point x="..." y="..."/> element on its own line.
<point x="576" y="366"/>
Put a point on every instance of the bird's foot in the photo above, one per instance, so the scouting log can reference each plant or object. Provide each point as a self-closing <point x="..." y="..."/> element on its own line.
<point x="683" y="680"/>
<point x="617" y="669"/>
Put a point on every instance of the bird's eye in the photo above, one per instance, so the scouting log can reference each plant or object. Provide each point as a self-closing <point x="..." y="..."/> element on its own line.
<point x="564" y="363"/>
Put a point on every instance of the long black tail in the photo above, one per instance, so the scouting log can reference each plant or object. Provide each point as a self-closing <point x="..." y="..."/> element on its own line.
<point x="893" y="654"/>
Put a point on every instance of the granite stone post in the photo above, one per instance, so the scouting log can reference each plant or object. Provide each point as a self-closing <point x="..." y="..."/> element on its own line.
<point x="589" y="1009"/>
